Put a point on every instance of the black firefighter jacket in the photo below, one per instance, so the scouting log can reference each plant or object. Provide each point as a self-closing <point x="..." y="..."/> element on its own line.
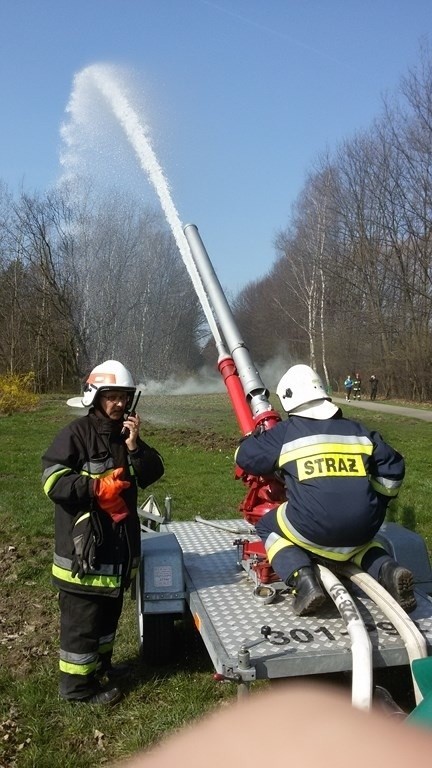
<point x="88" y="448"/>
<point x="338" y="476"/>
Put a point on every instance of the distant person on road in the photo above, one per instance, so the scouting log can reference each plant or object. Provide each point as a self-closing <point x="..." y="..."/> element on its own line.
<point x="356" y="390"/>
<point x="339" y="478"/>
<point x="348" y="384"/>
<point x="91" y="472"/>
<point x="373" y="381"/>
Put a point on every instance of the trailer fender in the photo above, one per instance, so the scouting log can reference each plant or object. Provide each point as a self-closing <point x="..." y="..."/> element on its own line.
<point x="160" y="579"/>
<point x="160" y="596"/>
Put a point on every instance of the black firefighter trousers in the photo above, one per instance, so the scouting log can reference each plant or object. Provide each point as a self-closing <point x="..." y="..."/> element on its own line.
<point x="88" y="625"/>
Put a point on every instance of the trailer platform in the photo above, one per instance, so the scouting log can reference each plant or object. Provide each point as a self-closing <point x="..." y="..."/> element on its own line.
<point x="235" y="627"/>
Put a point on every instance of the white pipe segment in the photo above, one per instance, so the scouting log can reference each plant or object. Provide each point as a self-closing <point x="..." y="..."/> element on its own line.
<point x="361" y="646"/>
<point x="415" y="643"/>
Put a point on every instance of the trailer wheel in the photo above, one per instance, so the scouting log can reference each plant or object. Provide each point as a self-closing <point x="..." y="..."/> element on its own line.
<point x="157" y="638"/>
<point x="155" y="633"/>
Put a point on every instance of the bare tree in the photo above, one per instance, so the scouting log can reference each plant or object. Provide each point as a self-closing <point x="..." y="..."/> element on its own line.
<point x="84" y="281"/>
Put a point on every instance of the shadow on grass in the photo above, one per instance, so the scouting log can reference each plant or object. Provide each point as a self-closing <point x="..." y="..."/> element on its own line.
<point x="188" y="654"/>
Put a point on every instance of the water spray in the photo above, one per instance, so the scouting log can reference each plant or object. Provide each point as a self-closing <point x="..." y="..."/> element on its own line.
<point x="107" y="83"/>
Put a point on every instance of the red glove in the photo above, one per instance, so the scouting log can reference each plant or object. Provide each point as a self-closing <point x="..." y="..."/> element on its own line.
<point x="107" y="492"/>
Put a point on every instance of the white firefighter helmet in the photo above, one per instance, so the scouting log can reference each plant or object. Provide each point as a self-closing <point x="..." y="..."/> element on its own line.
<point x="302" y="392"/>
<point x="108" y="375"/>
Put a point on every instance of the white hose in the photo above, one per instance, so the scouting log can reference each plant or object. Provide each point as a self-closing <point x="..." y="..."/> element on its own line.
<point x="361" y="647"/>
<point x="414" y="641"/>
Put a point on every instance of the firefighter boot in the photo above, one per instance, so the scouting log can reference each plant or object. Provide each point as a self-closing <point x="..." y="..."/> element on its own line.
<point x="309" y="595"/>
<point x="115" y="671"/>
<point x="107" y="697"/>
<point x="399" y="582"/>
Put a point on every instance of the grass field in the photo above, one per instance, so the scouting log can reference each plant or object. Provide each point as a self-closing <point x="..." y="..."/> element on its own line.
<point x="197" y="436"/>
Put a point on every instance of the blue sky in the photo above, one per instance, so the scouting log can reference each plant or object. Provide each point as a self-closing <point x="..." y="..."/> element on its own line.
<point x="241" y="97"/>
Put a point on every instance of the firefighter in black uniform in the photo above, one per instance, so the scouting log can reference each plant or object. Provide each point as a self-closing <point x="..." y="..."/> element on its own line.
<point x="91" y="472"/>
<point x="373" y="381"/>
<point x="339" y="478"/>
<point x="356" y="388"/>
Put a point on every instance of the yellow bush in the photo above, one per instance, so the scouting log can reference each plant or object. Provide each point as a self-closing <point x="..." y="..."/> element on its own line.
<point x="16" y="393"/>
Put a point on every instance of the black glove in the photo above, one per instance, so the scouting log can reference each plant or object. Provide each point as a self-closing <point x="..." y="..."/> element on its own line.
<point x="87" y="536"/>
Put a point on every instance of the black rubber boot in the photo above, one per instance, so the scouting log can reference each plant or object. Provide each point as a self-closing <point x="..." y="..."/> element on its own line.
<point x="107" y="698"/>
<point x="307" y="591"/>
<point x="399" y="582"/>
<point x="115" y="671"/>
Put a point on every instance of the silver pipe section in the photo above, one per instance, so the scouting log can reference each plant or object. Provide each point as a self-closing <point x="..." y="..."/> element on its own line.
<point x="250" y="379"/>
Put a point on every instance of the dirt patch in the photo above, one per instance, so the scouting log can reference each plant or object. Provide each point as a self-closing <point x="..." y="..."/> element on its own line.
<point x="28" y="617"/>
<point x="209" y="441"/>
<point x="9" y="557"/>
<point x="193" y="438"/>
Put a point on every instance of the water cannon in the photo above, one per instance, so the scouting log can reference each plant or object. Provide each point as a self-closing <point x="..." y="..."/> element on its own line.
<point x="248" y="395"/>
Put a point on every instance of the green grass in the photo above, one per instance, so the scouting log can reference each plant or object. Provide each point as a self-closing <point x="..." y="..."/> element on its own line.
<point x="411" y="437"/>
<point x="197" y="436"/>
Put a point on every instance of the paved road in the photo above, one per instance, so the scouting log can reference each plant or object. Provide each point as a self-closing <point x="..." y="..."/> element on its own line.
<point x="413" y="413"/>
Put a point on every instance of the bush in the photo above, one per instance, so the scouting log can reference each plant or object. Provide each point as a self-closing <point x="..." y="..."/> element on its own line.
<point x="16" y="393"/>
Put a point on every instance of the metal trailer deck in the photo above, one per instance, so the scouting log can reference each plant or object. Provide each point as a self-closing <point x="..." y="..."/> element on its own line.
<point x="230" y="620"/>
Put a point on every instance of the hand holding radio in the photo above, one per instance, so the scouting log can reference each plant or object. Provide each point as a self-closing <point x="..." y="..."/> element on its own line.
<point x="131" y="425"/>
<point x="131" y="431"/>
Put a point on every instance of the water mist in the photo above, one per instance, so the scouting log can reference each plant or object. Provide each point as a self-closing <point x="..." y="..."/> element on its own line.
<point x="106" y="81"/>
